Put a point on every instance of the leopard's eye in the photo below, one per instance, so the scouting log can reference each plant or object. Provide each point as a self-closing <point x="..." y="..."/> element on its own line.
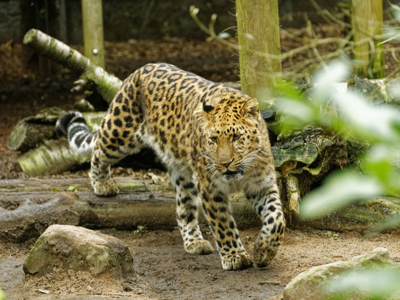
<point x="236" y="137"/>
<point x="214" y="139"/>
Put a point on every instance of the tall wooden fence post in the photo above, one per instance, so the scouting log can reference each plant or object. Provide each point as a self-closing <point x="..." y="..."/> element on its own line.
<point x="258" y="33"/>
<point x="367" y="21"/>
<point x="93" y="36"/>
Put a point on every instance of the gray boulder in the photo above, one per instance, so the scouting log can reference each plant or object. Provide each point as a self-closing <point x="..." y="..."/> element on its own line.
<point x="75" y="248"/>
<point x="344" y="279"/>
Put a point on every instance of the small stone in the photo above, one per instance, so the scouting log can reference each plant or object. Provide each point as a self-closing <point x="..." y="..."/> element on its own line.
<point x="73" y="248"/>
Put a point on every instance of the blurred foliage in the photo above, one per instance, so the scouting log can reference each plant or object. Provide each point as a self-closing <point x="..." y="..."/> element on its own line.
<point x="352" y="116"/>
<point x="377" y="284"/>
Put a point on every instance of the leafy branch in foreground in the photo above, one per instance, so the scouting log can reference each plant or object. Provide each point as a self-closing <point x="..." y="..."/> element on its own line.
<point x="354" y="118"/>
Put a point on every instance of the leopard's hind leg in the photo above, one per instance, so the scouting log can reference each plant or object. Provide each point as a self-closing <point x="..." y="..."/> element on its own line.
<point x="100" y="173"/>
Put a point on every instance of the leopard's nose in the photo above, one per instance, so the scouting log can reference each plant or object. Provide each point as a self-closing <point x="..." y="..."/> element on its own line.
<point x="226" y="164"/>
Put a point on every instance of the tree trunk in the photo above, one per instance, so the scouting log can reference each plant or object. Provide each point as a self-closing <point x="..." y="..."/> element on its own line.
<point x="367" y="21"/>
<point x="107" y="85"/>
<point x="259" y="53"/>
<point x="93" y="37"/>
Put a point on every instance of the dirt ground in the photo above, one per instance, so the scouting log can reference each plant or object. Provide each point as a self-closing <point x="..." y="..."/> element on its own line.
<point x="170" y="273"/>
<point x="166" y="271"/>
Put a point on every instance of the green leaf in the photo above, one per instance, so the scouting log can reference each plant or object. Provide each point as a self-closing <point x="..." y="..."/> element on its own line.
<point x="336" y="72"/>
<point x="396" y="11"/>
<point x="296" y="113"/>
<point x="73" y="188"/>
<point x="54" y="190"/>
<point x="374" y="284"/>
<point x="338" y="190"/>
<point x="369" y="122"/>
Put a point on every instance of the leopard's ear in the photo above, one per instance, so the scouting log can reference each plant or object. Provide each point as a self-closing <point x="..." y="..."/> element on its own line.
<point x="201" y="112"/>
<point x="250" y="108"/>
<point x="207" y="107"/>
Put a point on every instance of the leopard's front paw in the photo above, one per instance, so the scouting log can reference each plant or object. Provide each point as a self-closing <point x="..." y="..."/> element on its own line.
<point x="199" y="247"/>
<point x="106" y="188"/>
<point x="236" y="261"/>
<point x="264" y="251"/>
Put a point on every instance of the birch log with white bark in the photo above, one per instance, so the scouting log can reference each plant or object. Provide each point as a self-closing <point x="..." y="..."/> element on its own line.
<point x="106" y="84"/>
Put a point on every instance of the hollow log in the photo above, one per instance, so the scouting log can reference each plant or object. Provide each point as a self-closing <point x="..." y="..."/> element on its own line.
<point x="31" y="132"/>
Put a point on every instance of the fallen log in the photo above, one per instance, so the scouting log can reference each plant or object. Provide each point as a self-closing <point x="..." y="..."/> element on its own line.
<point x="365" y="217"/>
<point x="52" y="156"/>
<point x="28" y="207"/>
<point x="31" y="132"/>
<point x="106" y="84"/>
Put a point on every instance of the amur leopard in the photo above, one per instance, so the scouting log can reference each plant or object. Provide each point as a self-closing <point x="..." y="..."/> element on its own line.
<point x="213" y="142"/>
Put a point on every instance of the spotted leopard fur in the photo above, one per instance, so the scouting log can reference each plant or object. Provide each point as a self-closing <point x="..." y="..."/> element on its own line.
<point x="212" y="140"/>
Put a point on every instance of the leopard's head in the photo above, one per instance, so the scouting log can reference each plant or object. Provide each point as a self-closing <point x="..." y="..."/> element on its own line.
<point x="231" y="137"/>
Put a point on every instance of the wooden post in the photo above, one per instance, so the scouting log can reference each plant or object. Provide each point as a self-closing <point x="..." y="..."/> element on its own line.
<point x="93" y="37"/>
<point x="259" y="53"/>
<point x="367" y="21"/>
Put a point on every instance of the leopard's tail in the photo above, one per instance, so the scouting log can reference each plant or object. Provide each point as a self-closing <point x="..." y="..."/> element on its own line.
<point x="74" y="126"/>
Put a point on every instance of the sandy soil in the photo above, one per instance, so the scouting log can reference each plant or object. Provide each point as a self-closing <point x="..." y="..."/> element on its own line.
<point x="166" y="271"/>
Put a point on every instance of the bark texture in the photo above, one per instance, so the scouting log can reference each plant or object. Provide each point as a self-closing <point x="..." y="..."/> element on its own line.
<point x="367" y="22"/>
<point x="259" y="53"/>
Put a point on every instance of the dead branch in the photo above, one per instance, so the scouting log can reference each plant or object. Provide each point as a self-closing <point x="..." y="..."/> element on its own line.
<point x="106" y="84"/>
